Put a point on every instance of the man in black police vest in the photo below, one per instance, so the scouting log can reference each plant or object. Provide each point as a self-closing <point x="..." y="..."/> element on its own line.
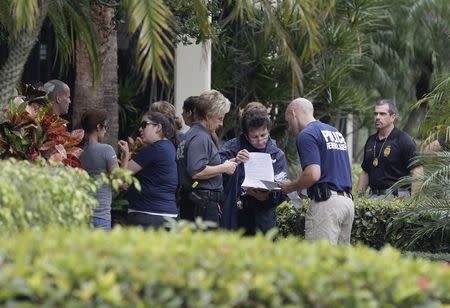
<point x="388" y="155"/>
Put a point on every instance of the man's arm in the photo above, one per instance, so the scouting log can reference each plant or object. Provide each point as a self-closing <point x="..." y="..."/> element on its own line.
<point x="307" y="178"/>
<point x="363" y="182"/>
<point x="434" y="146"/>
<point x="416" y="172"/>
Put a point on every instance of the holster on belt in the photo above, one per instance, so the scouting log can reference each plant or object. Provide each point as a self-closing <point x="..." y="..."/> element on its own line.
<point x="320" y="192"/>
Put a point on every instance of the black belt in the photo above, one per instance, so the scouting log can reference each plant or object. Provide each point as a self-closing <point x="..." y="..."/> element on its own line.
<point x="211" y="195"/>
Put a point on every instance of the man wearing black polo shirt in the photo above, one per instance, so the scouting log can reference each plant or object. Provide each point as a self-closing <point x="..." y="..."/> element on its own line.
<point x="388" y="155"/>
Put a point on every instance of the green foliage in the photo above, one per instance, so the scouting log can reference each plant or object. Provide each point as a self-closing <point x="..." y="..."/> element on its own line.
<point x="133" y="268"/>
<point x="35" y="195"/>
<point x="192" y="19"/>
<point x="356" y="171"/>
<point x="430" y="256"/>
<point x="377" y="223"/>
<point x="431" y="202"/>
<point x="153" y="20"/>
<point x="437" y="120"/>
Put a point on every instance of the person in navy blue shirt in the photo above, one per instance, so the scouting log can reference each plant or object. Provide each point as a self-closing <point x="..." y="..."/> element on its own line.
<point x="251" y="209"/>
<point x="155" y="167"/>
<point x="326" y="174"/>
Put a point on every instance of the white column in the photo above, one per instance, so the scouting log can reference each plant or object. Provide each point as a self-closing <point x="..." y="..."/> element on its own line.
<point x="192" y="71"/>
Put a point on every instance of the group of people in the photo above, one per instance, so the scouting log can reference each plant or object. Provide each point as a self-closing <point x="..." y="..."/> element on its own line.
<point x="192" y="175"/>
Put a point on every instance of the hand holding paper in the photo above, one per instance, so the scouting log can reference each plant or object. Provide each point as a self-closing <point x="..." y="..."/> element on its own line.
<point x="259" y="172"/>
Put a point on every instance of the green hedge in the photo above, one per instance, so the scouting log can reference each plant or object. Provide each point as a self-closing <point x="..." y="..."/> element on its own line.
<point x="375" y="225"/>
<point x="130" y="267"/>
<point x="37" y="195"/>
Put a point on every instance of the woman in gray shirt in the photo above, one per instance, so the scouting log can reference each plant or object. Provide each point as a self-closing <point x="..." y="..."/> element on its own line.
<point x="97" y="158"/>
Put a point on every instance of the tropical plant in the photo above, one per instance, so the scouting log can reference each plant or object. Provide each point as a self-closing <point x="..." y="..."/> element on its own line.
<point x="437" y="120"/>
<point x="248" y="63"/>
<point x="432" y="200"/>
<point x="21" y="22"/>
<point x="406" y="54"/>
<point x="29" y="134"/>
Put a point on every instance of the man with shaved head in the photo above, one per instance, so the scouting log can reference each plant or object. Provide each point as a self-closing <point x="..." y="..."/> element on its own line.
<point x="326" y="175"/>
<point x="59" y="93"/>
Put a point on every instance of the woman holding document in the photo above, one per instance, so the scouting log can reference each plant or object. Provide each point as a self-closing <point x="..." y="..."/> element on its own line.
<point x="251" y="208"/>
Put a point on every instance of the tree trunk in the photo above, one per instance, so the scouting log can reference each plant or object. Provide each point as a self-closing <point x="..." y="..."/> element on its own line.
<point x="103" y="95"/>
<point x="422" y="88"/>
<point x="11" y="71"/>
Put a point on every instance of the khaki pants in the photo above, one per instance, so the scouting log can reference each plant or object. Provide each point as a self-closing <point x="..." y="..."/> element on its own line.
<point x="330" y="220"/>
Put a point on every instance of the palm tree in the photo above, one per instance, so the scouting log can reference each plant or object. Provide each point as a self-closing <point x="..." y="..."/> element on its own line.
<point x="248" y="64"/>
<point x="21" y="22"/>
<point x="103" y="93"/>
<point x="432" y="201"/>
<point x="152" y="21"/>
<point x="407" y="53"/>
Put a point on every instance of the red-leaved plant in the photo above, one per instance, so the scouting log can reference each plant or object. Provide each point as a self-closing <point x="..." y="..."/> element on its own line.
<point x="30" y="131"/>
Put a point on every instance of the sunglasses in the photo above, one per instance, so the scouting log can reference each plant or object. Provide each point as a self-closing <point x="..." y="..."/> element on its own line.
<point x="145" y="123"/>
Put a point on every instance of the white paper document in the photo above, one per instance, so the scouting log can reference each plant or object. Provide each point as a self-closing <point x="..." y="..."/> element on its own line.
<point x="259" y="172"/>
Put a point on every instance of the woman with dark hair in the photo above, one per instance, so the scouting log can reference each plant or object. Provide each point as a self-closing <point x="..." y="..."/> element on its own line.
<point x="97" y="158"/>
<point x="251" y="209"/>
<point x="188" y="109"/>
<point x="156" y="169"/>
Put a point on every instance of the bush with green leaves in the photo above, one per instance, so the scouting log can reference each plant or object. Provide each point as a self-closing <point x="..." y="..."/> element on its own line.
<point x="133" y="268"/>
<point x="38" y="194"/>
<point x="377" y="222"/>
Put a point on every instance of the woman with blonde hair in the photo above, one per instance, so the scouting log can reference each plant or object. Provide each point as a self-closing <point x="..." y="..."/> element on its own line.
<point x="200" y="166"/>
<point x="169" y="110"/>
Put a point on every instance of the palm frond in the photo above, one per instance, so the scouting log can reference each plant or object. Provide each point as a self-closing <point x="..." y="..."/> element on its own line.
<point x="201" y="13"/>
<point x="25" y="14"/>
<point x="72" y="22"/>
<point x="437" y="119"/>
<point x="153" y="20"/>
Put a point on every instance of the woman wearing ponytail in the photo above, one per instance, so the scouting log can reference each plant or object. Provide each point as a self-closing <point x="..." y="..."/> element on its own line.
<point x="169" y="111"/>
<point x="155" y="167"/>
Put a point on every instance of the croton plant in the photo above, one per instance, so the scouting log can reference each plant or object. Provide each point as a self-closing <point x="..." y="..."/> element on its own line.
<point x="31" y="131"/>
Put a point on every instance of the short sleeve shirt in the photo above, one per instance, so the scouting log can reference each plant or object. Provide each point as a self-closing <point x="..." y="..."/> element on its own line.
<point x="195" y="153"/>
<point x="395" y="157"/>
<point x="324" y="145"/>
<point x="158" y="179"/>
<point x="97" y="158"/>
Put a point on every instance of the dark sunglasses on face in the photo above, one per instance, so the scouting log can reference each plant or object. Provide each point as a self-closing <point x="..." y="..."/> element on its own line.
<point x="145" y="123"/>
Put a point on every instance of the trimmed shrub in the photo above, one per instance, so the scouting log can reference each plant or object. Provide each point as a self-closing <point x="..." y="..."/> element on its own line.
<point x="376" y="224"/>
<point x="130" y="267"/>
<point x="36" y="195"/>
